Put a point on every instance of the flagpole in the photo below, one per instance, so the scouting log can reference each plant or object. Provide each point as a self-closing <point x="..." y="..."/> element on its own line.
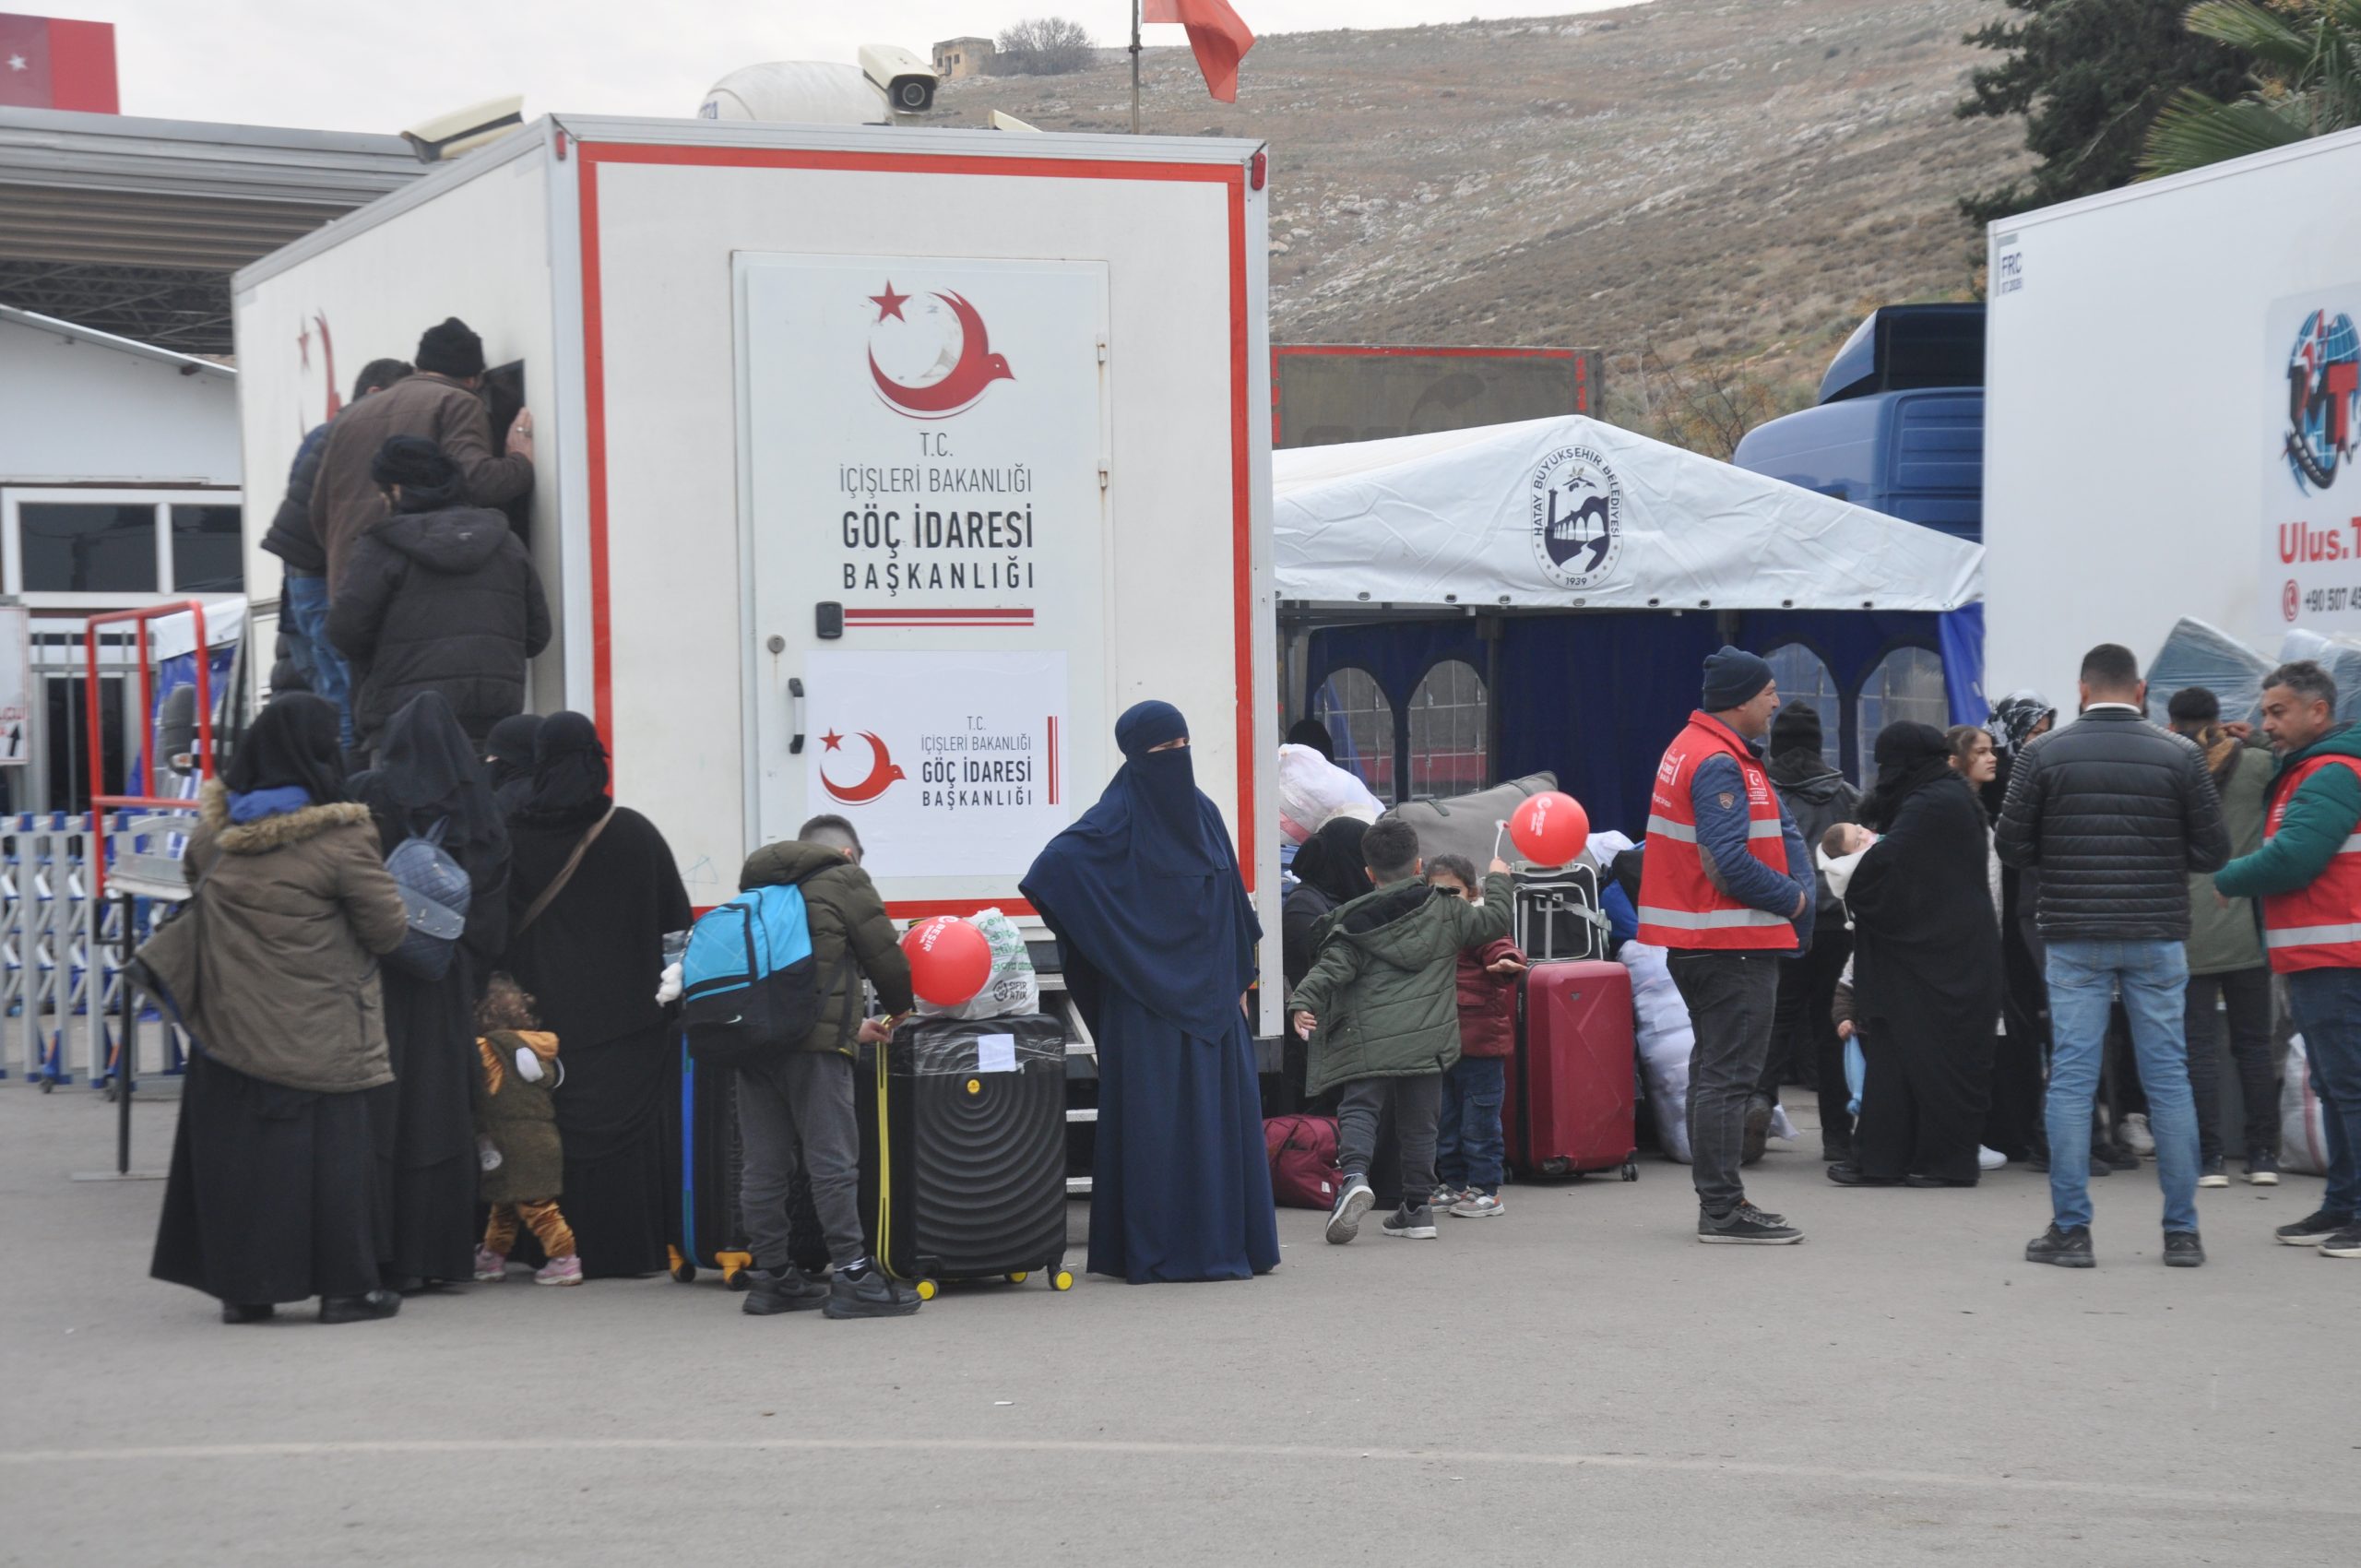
<point x="1135" y="68"/>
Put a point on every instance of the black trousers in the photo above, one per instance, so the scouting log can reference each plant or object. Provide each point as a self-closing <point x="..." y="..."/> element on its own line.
<point x="1804" y="1047"/>
<point x="2244" y="995"/>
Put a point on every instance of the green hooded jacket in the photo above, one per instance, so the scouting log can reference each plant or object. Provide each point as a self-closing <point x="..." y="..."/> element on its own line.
<point x="2321" y="816"/>
<point x="1386" y="986"/>
<point x="845" y="915"/>
<point x="2222" y="937"/>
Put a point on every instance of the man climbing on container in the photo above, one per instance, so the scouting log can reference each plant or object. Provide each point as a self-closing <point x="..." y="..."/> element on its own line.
<point x="2308" y="874"/>
<point x="1726" y="886"/>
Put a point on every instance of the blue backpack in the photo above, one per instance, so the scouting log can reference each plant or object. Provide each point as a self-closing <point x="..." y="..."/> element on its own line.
<point x="749" y="991"/>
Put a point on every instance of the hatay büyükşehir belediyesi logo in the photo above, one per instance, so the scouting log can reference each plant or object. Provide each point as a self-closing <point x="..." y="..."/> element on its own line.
<point x="2324" y="399"/>
<point x="932" y="356"/>
<point x="1577" y="504"/>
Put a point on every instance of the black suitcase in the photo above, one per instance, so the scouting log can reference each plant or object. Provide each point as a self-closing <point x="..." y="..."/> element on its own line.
<point x="1558" y="916"/>
<point x="963" y="1150"/>
<point x="713" y="1232"/>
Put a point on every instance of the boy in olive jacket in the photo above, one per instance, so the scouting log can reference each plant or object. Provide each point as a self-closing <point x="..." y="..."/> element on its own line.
<point x="1380" y="1009"/>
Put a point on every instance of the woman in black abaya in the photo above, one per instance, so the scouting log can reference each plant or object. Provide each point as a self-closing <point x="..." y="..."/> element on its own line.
<point x="508" y="752"/>
<point x="593" y="959"/>
<point x="1157" y="938"/>
<point x="427" y="773"/>
<point x="1926" y="970"/>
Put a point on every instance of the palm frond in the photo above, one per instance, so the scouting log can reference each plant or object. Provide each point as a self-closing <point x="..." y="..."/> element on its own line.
<point x="2194" y="131"/>
<point x="2282" y="49"/>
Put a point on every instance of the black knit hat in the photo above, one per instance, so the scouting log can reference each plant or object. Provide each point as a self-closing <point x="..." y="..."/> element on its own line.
<point x="452" y="349"/>
<point x="1797" y="728"/>
<point x="430" y="480"/>
<point x="2194" y="705"/>
<point x="1733" y="678"/>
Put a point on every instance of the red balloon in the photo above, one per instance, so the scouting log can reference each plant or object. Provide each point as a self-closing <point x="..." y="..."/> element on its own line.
<point x="1550" y="829"/>
<point x="949" y="958"/>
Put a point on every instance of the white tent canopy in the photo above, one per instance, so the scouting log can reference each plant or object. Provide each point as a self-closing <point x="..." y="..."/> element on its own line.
<point x="1570" y="513"/>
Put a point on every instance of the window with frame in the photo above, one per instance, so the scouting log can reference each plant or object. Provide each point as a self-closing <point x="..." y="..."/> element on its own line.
<point x="1907" y="685"/>
<point x="94" y="547"/>
<point x="1360" y="720"/>
<point x="1450" y="732"/>
<point x="1802" y="677"/>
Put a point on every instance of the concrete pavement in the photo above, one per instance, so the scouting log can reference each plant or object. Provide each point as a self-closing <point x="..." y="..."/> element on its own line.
<point x="1575" y="1383"/>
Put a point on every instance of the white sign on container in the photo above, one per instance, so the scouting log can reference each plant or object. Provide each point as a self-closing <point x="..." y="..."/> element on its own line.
<point x="15" y="685"/>
<point x="2312" y="493"/>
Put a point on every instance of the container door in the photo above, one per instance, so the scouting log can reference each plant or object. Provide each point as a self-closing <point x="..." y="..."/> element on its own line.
<point x="924" y="448"/>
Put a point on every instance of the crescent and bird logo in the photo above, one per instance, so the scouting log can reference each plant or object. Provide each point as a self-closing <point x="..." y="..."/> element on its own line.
<point x="883" y="774"/>
<point x="962" y="365"/>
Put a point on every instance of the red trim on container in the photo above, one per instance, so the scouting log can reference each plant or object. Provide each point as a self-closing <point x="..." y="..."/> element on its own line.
<point x="81" y="66"/>
<point x="927" y="908"/>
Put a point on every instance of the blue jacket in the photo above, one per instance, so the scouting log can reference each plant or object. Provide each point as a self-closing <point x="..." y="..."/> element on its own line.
<point x="1722" y="836"/>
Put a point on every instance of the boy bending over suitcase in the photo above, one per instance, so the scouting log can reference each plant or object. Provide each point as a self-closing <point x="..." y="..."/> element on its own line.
<point x="795" y="1114"/>
<point x="1381" y="1010"/>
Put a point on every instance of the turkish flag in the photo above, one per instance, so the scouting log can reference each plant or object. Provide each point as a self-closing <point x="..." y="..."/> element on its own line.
<point x="48" y="64"/>
<point x="1216" y="34"/>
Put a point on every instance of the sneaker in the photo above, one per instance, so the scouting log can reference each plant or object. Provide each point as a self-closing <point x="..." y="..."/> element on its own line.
<point x="1411" y="1224"/>
<point x="566" y="1270"/>
<point x="1989" y="1158"/>
<point x="2067" y="1249"/>
<point x="1478" y="1205"/>
<point x="2314" y="1228"/>
<point x="2211" y="1173"/>
<point x="490" y="1266"/>
<point x="1747" y="1226"/>
<point x="359" y="1309"/>
<point x="2136" y="1135"/>
<point x="1758" y="1129"/>
<point x="869" y="1293"/>
<point x="1847" y="1174"/>
<point x="2345" y="1243"/>
<point x="1345" y="1219"/>
<point x="1444" y="1195"/>
<point x="2262" y="1167"/>
<point x="785" y="1291"/>
<point x="2183" y="1250"/>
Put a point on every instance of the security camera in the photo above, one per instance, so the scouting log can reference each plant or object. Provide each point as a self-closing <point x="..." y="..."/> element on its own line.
<point x="907" y="81"/>
<point x="463" y="130"/>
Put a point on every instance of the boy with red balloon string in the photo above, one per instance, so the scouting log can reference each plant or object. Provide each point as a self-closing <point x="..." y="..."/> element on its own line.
<point x="1156" y="936"/>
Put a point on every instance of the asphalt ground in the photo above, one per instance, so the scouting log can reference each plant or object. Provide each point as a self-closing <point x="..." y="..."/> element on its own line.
<point x="1575" y="1383"/>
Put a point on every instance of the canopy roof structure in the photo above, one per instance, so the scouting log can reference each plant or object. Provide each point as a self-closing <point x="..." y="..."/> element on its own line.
<point x="1569" y="513"/>
<point x="133" y="227"/>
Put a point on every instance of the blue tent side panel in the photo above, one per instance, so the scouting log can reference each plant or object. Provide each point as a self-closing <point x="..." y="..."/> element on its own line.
<point x="1961" y="632"/>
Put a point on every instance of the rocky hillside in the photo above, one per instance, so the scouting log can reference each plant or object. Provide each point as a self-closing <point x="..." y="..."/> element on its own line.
<point x="1724" y="180"/>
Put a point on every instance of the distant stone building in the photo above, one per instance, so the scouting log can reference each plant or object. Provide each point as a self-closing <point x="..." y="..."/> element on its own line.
<point x="956" y="57"/>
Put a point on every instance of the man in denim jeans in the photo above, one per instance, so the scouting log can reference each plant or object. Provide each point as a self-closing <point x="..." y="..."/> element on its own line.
<point x="2115" y="813"/>
<point x="2308" y="874"/>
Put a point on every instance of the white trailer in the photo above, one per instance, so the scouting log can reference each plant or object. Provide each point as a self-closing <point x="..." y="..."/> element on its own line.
<point x="2173" y="406"/>
<point x="879" y="468"/>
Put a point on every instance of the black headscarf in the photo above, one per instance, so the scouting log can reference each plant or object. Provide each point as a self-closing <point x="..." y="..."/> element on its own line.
<point x="294" y="742"/>
<point x="508" y="752"/>
<point x="427" y="767"/>
<point x="1331" y="860"/>
<point x="1909" y="757"/>
<point x="1143" y="889"/>
<point x="569" y="786"/>
<point x="1311" y="732"/>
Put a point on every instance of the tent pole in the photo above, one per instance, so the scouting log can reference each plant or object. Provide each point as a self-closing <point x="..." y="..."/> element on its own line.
<point x="1135" y="68"/>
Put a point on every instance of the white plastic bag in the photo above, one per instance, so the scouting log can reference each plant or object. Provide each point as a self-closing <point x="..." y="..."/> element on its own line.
<point x="2303" y="1135"/>
<point x="1013" y="988"/>
<point x="1666" y="1039"/>
<point x="1312" y="789"/>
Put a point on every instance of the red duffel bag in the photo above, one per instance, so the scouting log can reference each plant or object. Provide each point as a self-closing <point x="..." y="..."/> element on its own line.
<point x="1302" y="1151"/>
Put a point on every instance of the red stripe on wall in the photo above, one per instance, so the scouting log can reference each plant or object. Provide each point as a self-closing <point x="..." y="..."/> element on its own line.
<point x="81" y="67"/>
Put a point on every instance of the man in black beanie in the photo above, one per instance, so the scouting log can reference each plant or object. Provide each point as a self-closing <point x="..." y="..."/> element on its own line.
<point x="439" y="403"/>
<point x="1728" y="887"/>
<point x="1803" y="1034"/>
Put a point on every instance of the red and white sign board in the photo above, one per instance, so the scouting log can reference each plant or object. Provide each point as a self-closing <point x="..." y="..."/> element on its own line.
<point x="49" y="62"/>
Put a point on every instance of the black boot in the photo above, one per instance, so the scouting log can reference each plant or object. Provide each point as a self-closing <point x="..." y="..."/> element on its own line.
<point x="359" y="1309"/>
<point x="259" y="1312"/>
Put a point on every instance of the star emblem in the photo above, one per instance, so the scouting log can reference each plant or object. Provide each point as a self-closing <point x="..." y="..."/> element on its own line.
<point x="889" y="304"/>
<point x="17" y="63"/>
<point x="832" y="741"/>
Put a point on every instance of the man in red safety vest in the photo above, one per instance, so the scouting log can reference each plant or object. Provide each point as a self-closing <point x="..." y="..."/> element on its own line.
<point x="2308" y="874"/>
<point x="1727" y="886"/>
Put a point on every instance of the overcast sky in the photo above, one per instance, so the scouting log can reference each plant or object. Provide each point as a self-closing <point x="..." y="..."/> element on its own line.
<point x="343" y="64"/>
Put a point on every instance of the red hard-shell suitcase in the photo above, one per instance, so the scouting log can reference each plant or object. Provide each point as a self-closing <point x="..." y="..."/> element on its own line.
<point x="1572" y="1086"/>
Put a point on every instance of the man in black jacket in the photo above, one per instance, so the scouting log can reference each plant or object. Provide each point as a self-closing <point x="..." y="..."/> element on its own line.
<point x="303" y="599"/>
<point x="436" y="596"/>
<point x="2115" y="813"/>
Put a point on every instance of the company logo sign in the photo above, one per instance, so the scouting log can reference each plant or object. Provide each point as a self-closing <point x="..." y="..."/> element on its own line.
<point x="931" y="358"/>
<point x="1577" y="518"/>
<point x="2323" y="399"/>
<point x="883" y="775"/>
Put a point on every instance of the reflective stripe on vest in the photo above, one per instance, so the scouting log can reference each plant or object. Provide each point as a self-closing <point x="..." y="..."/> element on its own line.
<point x="2314" y="927"/>
<point x="1679" y="905"/>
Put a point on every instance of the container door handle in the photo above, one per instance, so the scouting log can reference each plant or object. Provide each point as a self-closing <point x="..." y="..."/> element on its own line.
<point x="795" y="713"/>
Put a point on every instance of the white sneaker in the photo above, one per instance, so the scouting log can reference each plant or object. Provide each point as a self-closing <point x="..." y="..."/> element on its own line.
<point x="2136" y="1136"/>
<point x="1345" y="1219"/>
<point x="1989" y="1158"/>
<point x="1478" y="1205"/>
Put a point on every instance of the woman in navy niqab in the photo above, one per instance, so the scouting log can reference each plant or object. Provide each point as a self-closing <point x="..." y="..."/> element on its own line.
<point x="1157" y="937"/>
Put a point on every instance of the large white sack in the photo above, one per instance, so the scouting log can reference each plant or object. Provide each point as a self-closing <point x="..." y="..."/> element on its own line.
<point x="1312" y="789"/>
<point x="1665" y="1038"/>
<point x="2303" y="1135"/>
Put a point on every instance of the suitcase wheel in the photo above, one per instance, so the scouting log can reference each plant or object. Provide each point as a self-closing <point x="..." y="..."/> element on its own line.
<point x="1019" y="1277"/>
<point x="1062" y="1281"/>
<point x="684" y="1271"/>
<point x="926" y="1290"/>
<point x="733" y="1266"/>
<point x="1631" y="1171"/>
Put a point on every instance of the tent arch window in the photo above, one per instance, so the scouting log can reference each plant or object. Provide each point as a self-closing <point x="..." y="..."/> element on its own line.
<point x="1450" y="723"/>
<point x="1802" y="676"/>
<point x="1906" y="684"/>
<point x="1359" y="718"/>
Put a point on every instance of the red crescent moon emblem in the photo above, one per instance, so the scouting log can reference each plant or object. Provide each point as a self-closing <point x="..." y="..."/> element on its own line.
<point x="883" y="775"/>
<point x="978" y="368"/>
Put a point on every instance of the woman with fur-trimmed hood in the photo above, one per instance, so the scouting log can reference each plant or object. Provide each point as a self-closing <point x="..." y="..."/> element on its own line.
<point x="273" y="966"/>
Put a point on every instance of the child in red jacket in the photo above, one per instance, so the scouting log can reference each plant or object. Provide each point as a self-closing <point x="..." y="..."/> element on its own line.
<point x="1468" y="1148"/>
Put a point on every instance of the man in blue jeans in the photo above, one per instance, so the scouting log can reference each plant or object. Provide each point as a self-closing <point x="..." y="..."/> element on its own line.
<point x="2308" y="874"/>
<point x="2114" y="813"/>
